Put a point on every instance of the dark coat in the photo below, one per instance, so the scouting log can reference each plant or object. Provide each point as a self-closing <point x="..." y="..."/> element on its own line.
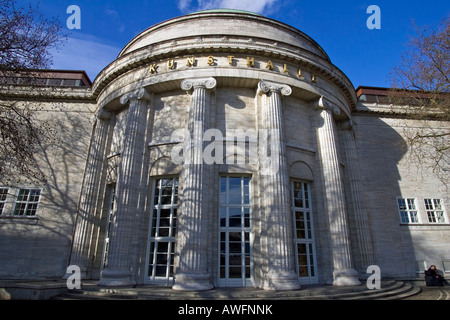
<point x="433" y="278"/>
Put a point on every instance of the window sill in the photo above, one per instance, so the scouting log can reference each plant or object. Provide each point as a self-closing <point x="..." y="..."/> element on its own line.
<point x="19" y="219"/>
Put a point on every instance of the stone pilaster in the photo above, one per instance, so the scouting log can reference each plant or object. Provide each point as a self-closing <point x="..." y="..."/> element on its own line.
<point x="118" y="271"/>
<point x="357" y="196"/>
<point x="192" y="234"/>
<point x="87" y="209"/>
<point x="275" y="183"/>
<point x="344" y="274"/>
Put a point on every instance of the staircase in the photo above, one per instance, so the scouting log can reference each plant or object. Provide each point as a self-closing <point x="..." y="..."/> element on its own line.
<point x="390" y="290"/>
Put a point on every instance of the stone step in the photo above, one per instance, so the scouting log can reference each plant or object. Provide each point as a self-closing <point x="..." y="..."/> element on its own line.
<point x="389" y="290"/>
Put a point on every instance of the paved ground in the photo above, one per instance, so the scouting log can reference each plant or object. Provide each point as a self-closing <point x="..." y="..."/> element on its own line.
<point x="396" y="290"/>
<point x="432" y="293"/>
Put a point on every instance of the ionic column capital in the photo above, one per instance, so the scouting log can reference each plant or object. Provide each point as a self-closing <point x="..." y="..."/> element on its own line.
<point x="138" y="94"/>
<point x="206" y="83"/>
<point x="265" y="86"/>
<point x="325" y="104"/>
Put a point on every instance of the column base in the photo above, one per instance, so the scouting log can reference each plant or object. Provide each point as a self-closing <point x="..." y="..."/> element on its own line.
<point x="281" y="281"/>
<point x="116" y="278"/>
<point x="192" y="282"/>
<point x="347" y="277"/>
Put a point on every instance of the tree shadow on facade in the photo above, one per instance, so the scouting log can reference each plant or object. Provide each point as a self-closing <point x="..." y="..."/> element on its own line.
<point x="38" y="247"/>
<point x="381" y="149"/>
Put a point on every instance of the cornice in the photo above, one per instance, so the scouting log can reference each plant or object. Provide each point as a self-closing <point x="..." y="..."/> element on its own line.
<point x="255" y="47"/>
<point x="51" y="94"/>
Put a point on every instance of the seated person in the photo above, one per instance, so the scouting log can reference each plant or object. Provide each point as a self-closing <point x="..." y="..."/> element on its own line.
<point x="433" y="278"/>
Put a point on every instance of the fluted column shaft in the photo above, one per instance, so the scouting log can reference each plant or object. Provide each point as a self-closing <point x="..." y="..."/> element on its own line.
<point x="357" y="196"/>
<point x="84" y="227"/>
<point x="275" y="182"/>
<point x="335" y="207"/>
<point x="192" y="238"/>
<point x="118" y="271"/>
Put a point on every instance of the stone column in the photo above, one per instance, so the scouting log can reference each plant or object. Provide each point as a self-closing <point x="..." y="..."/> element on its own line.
<point x="118" y="271"/>
<point x="85" y="224"/>
<point x="357" y="195"/>
<point x="344" y="274"/>
<point x="193" y="226"/>
<point x="275" y="183"/>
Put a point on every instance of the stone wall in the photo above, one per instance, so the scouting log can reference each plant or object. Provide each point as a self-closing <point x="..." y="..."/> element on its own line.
<point x="39" y="246"/>
<point x="389" y="172"/>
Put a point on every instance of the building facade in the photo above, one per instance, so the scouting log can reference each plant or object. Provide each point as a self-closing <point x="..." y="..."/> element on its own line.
<point x="223" y="148"/>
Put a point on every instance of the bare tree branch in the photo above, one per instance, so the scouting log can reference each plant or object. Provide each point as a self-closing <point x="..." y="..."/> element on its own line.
<point x="421" y="87"/>
<point x="26" y="38"/>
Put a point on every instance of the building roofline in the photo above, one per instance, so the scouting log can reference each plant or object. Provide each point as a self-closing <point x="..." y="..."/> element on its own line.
<point x="55" y="74"/>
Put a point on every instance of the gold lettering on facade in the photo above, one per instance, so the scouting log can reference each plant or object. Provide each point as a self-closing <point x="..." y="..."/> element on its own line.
<point x="250" y="62"/>
<point x="152" y="68"/>
<point x="190" y="62"/>
<point x="210" y="60"/>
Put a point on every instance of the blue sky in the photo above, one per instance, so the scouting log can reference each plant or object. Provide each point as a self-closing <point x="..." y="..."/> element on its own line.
<point x="365" y="56"/>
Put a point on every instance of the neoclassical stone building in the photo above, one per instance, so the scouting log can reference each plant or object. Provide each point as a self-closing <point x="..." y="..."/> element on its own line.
<point x="222" y="148"/>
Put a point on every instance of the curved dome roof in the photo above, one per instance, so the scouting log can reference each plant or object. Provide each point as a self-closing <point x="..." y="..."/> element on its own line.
<point x="226" y="10"/>
<point x="226" y="23"/>
<point x="224" y="33"/>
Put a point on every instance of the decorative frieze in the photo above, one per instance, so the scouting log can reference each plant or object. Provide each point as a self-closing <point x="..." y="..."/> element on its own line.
<point x="230" y="60"/>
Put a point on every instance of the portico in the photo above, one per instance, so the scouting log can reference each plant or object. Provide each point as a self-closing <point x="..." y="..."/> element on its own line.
<point x="250" y="218"/>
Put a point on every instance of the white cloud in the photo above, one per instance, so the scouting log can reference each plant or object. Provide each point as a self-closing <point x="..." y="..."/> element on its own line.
<point x="257" y="6"/>
<point x="84" y="53"/>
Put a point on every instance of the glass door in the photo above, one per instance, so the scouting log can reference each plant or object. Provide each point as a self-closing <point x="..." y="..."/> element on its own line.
<point x="235" y="251"/>
<point x="111" y="194"/>
<point x="304" y="232"/>
<point x="162" y="231"/>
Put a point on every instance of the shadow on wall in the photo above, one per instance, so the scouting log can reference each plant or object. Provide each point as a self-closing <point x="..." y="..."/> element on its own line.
<point x="38" y="247"/>
<point x="381" y="148"/>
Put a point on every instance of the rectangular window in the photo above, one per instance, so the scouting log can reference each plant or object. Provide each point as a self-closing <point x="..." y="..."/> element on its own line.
<point x="435" y="210"/>
<point x="3" y="194"/>
<point x="110" y="200"/>
<point x="304" y="232"/>
<point x="162" y="231"/>
<point x="235" y="250"/>
<point x="27" y="202"/>
<point x="408" y="210"/>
